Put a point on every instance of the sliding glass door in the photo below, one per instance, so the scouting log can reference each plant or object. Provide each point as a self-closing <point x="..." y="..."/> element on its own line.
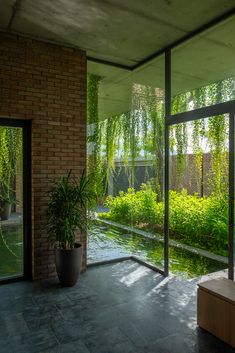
<point x="200" y="194"/>
<point x="14" y="190"/>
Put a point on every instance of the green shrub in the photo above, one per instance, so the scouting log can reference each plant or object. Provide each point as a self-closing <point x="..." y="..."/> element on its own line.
<point x="123" y="208"/>
<point x="199" y="221"/>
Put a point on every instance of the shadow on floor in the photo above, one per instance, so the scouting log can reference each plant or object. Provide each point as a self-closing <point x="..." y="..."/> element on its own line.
<point x="119" y="308"/>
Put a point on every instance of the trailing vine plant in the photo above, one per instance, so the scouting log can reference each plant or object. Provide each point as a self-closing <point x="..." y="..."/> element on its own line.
<point x="214" y="129"/>
<point x="11" y="148"/>
<point x="139" y="133"/>
<point x="94" y="162"/>
<point x="10" y="155"/>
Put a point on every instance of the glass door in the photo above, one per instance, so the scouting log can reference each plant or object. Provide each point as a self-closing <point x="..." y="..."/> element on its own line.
<point x="200" y="192"/>
<point x="13" y="225"/>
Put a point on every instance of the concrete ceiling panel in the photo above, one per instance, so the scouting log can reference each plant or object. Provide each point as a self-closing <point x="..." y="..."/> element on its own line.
<point x="107" y="73"/>
<point x="183" y="14"/>
<point x="112" y="107"/>
<point x="201" y="62"/>
<point x="127" y="31"/>
<point x="115" y="95"/>
<point x="152" y="74"/>
<point x="6" y="7"/>
<point x="119" y="31"/>
<point x="224" y="33"/>
<point x="114" y="99"/>
<point x="105" y="30"/>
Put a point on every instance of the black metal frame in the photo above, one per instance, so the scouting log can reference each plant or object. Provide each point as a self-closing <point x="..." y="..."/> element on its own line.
<point x="173" y="119"/>
<point x="205" y="112"/>
<point x="166" y="164"/>
<point x="27" y="239"/>
<point x="231" y="195"/>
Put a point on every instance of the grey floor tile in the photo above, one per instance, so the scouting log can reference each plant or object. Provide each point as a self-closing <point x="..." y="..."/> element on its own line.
<point x="12" y="324"/>
<point x="31" y="342"/>
<point x="135" y="336"/>
<point x="42" y="316"/>
<point x="72" y="347"/>
<point x="175" y="343"/>
<point x="104" y="341"/>
<point x="118" y="308"/>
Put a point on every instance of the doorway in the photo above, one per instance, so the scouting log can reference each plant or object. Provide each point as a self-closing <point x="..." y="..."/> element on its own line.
<point x="201" y="186"/>
<point x="15" y="200"/>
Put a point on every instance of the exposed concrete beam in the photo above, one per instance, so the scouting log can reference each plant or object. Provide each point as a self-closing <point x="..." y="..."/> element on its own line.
<point x="150" y="17"/>
<point x="109" y="63"/>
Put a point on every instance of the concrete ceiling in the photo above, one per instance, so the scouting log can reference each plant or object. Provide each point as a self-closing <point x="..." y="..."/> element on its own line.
<point x="125" y="32"/>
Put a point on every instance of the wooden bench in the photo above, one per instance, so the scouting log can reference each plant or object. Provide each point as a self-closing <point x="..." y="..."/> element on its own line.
<point x="216" y="308"/>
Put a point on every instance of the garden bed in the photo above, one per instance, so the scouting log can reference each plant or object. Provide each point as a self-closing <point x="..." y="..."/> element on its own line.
<point x="201" y="222"/>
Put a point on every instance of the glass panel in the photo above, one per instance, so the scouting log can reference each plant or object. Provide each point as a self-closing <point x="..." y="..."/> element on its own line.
<point x="198" y="200"/>
<point x="131" y="130"/>
<point x="232" y="181"/>
<point x="203" y="69"/>
<point x="11" y="202"/>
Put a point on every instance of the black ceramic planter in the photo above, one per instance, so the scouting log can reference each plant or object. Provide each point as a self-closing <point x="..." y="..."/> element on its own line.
<point x="69" y="265"/>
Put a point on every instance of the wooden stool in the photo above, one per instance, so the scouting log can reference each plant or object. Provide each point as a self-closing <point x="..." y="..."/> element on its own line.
<point x="216" y="308"/>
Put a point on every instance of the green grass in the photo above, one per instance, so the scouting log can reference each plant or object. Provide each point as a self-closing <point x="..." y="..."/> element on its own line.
<point x="11" y="251"/>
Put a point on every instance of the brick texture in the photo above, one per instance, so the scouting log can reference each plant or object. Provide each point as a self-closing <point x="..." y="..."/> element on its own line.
<point x="46" y="84"/>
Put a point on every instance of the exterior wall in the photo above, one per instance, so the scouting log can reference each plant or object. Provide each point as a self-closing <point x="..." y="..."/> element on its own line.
<point x="46" y="84"/>
<point x="189" y="180"/>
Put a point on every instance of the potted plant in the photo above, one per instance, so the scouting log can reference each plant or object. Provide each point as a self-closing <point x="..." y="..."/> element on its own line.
<point x="67" y="212"/>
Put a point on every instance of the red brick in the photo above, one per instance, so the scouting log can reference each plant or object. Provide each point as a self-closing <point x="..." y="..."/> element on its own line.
<point x="46" y="83"/>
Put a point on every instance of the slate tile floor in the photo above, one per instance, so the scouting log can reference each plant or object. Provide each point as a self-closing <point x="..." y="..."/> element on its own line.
<point x="118" y="308"/>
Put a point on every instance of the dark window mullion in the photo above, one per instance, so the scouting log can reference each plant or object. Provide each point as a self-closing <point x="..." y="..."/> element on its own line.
<point x="231" y="196"/>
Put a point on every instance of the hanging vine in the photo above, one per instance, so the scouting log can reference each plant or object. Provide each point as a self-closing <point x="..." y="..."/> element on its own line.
<point x="217" y="135"/>
<point x="94" y="163"/>
<point x="111" y="134"/>
<point x="157" y="144"/>
<point x="10" y="147"/>
<point x="139" y="133"/>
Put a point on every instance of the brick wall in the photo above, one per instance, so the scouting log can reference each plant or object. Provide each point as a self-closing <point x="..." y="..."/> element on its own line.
<point x="46" y="83"/>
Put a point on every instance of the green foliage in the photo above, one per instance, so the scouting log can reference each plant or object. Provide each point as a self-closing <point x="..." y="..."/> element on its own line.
<point x="94" y="161"/>
<point x="200" y="221"/>
<point x="197" y="137"/>
<point x="217" y="135"/>
<point x="126" y="136"/>
<point x="139" y="133"/>
<point x="10" y="152"/>
<point x="68" y="200"/>
<point x="217" y="129"/>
